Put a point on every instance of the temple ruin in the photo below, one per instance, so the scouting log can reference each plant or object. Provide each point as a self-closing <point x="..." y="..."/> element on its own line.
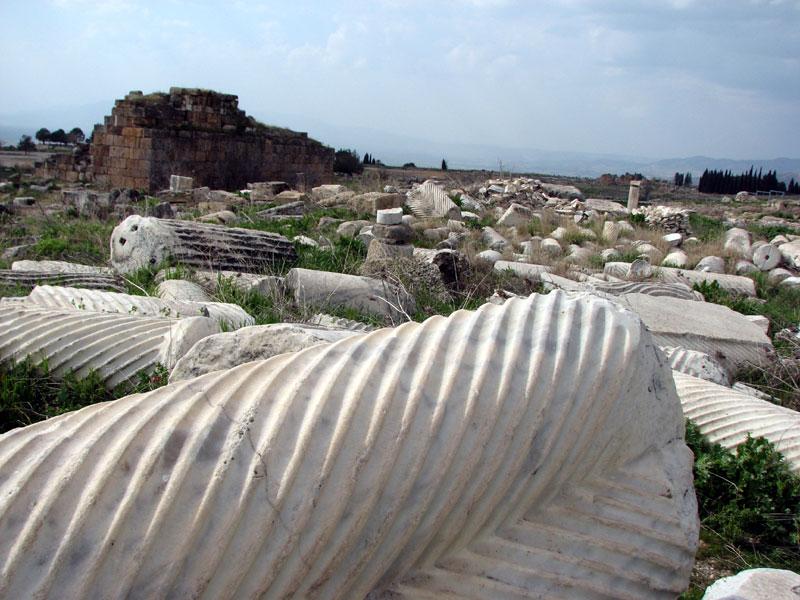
<point x="197" y="133"/>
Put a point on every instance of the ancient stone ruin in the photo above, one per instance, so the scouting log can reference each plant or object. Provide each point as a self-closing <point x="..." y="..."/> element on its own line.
<point x="197" y="133"/>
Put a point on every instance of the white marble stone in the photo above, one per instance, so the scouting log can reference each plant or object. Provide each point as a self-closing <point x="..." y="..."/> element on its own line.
<point x="756" y="584"/>
<point x="528" y="450"/>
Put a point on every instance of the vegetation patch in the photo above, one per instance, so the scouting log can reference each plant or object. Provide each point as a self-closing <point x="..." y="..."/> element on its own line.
<point x="705" y="228"/>
<point x="749" y="505"/>
<point x="29" y="392"/>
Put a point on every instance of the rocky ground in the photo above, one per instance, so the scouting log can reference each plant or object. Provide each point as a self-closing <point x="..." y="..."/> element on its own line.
<point x="203" y="280"/>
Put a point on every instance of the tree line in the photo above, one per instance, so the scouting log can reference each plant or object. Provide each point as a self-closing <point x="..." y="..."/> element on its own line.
<point x="683" y="179"/>
<point x="725" y="182"/>
<point x="59" y="136"/>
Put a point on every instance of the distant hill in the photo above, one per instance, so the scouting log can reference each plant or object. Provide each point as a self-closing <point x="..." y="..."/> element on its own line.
<point x="397" y="149"/>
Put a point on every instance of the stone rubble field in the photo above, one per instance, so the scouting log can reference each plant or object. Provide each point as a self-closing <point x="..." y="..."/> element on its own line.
<point x="418" y="389"/>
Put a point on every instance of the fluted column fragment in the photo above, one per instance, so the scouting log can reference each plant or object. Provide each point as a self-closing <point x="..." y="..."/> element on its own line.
<point x="528" y="450"/>
<point x="26" y="280"/>
<point x="726" y="417"/>
<point x="64" y="298"/>
<point x="146" y="241"/>
<point x="116" y="346"/>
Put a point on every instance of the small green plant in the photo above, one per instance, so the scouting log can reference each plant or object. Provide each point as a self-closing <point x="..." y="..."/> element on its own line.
<point x="637" y="219"/>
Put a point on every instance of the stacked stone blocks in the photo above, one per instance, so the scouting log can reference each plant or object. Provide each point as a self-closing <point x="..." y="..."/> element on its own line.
<point x="197" y="133"/>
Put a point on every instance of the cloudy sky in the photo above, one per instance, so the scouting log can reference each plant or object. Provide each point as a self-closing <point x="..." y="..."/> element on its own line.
<point x="654" y="78"/>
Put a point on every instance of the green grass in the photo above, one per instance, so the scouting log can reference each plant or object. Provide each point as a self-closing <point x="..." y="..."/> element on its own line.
<point x="345" y="256"/>
<point x="706" y="229"/>
<point x="75" y="240"/>
<point x="305" y="225"/>
<point x="768" y="232"/>
<point x="573" y="236"/>
<point x="749" y="506"/>
<point x="30" y="393"/>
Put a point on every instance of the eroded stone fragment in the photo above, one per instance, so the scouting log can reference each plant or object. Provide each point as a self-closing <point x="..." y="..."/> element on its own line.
<point x="696" y="364"/>
<point x="372" y="296"/>
<point x="58" y="266"/>
<point x="146" y="241"/>
<point x="520" y="451"/>
<point x="229" y="349"/>
<point x="756" y="584"/>
<point x="180" y="290"/>
<point x="430" y="200"/>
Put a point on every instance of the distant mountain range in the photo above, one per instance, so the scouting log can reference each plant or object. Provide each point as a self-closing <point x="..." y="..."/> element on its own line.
<point x="395" y="149"/>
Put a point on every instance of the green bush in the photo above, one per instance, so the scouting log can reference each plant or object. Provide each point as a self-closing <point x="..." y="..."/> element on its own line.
<point x="750" y="497"/>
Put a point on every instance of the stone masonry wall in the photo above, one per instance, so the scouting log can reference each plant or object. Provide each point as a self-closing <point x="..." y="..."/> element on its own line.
<point x="201" y="134"/>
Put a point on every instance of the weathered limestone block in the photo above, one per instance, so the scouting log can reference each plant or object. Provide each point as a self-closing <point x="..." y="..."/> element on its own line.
<point x="116" y="346"/>
<point x="325" y="191"/>
<point x="28" y="279"/>
<point x="606" y="206"/>
<point x="737" y="241"/>
<point x="371" y="202"/>
<point x="551" y="247"/>
<point x="58" y="266"/>
<point x="716" y="330"/>
<point x="145" y="241"/>
<point x="677" y="258"/>
<point x="735" y="284"/>
<point x="726" y="417"/>
<point x="516" y="215"/>
<point x="711" y="264"/>
<point x="180" y="290"/>
<point x="179" y="183"/>
<point x="245" y="282"/>
<point x="558" y="190"/>
<point x="756" y="584"/>
<point x="230" y="349"/>
<point x="790" y="251"/>
<point x="371" y="296"/>
<point x="745" y="267"/>
<point x="524" y="270"/>
<point x="696" y="364"/>
<point x="489" y="256"/>
<point x="65" y="298"/>
<point x="528" y="450"/>
<point x="494" y="240"/>
<point x="430" y="200"/>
